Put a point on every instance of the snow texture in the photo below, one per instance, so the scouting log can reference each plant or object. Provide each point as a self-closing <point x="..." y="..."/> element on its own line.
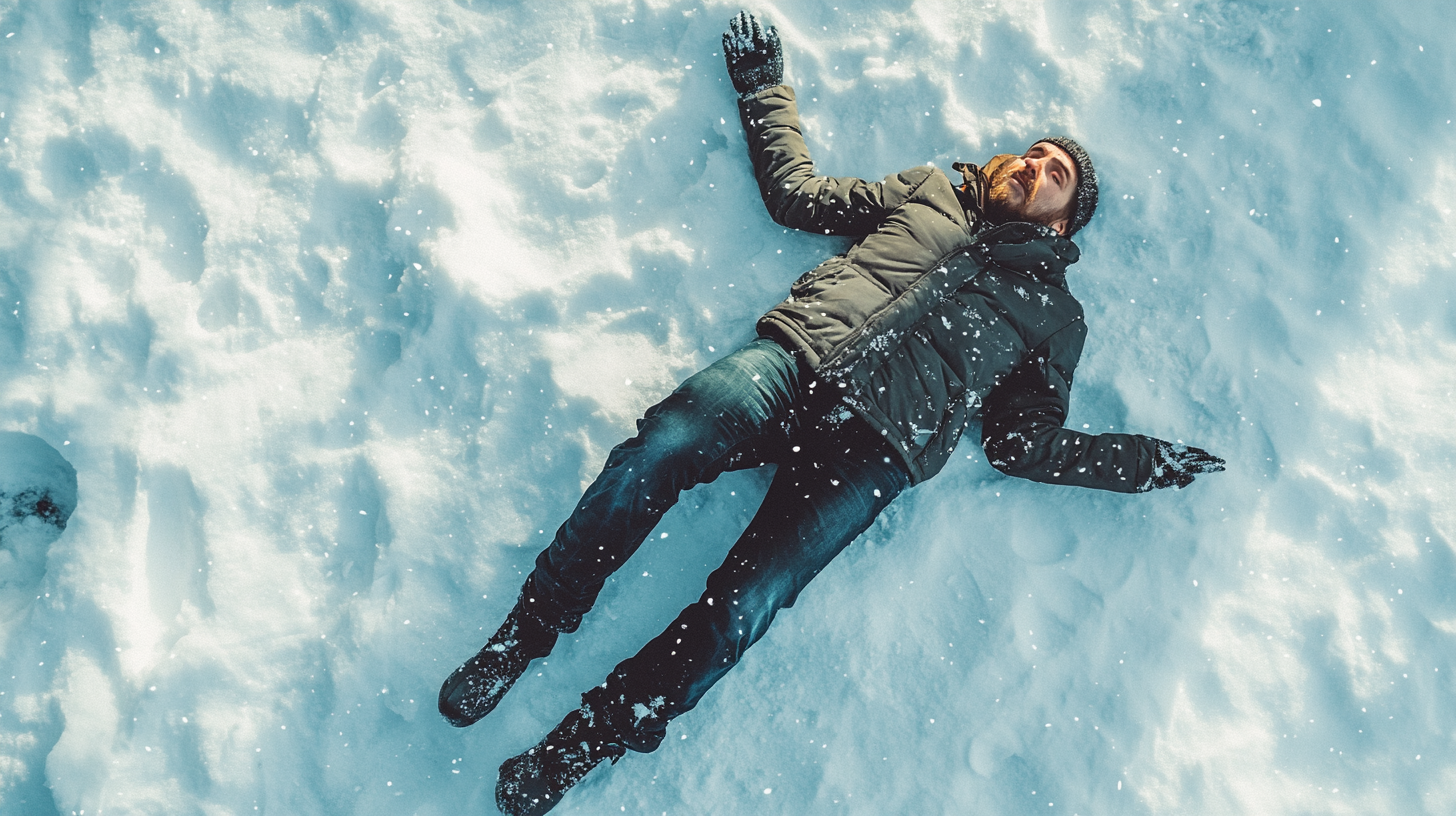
<point x="336" y="305"/>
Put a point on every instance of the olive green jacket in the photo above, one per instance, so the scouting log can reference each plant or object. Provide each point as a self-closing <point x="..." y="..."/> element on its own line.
<point x="933" y="317"/>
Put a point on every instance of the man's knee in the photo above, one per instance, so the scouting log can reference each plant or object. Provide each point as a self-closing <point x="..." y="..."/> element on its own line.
<point x="674" y="427"/>
<point x="740" y="616"/>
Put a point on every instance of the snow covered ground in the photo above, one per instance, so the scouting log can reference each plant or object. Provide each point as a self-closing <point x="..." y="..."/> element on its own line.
<point x="336" y="305"/>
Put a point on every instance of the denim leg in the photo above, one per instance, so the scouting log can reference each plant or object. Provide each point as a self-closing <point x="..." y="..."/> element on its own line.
<point x="717" y="420"/>
<point x="819" y="501"/>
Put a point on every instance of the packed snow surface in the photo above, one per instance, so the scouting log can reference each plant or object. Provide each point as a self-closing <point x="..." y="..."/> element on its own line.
<point x="336" y="305"/>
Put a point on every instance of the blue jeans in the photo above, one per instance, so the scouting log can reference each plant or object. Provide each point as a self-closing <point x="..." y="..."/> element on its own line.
<point x="756" y="406"/>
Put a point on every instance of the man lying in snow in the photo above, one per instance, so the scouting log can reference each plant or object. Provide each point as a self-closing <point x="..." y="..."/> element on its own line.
<point x="951" y="305"/>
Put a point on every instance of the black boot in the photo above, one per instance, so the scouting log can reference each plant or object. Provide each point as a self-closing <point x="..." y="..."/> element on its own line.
<point x="532" y="783"/>
<point x="472" y="690"/>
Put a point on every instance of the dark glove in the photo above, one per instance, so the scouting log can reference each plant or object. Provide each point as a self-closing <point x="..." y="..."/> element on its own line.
<point x="753" y="53"/>
<point x="1176" y="465"/>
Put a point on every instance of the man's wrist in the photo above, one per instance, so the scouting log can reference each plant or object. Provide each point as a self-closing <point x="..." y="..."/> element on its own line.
<point x="782" y="88"/>
<point x="754" y="92"/>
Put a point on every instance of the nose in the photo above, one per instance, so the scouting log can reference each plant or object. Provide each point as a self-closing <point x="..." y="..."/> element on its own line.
<point x="1030" y="170"/>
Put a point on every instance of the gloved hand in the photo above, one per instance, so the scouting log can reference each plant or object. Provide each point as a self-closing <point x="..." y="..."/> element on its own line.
<point x="1176" y="465"/>
<point x="753" y="53"/>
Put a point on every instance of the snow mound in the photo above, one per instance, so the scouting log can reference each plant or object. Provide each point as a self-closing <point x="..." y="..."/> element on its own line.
<point x="37" y="497"/>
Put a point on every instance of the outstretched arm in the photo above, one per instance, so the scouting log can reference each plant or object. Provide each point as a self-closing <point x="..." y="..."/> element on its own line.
<point x="1023" y="436"/>
<point x="794" y="195"/>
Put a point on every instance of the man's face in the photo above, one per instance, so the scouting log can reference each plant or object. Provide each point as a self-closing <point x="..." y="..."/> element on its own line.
<point x="1037" y="186"/>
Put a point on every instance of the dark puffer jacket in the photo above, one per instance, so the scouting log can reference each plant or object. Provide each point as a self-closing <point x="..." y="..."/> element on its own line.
<point x="932" y="317"/>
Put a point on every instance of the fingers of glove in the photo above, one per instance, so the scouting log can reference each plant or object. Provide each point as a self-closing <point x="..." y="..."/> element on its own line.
<point x="1212" y="464"/>
<point x="735" y="38"/>
<point x="1197" y="460"/>
<point x="1209" y="459"/>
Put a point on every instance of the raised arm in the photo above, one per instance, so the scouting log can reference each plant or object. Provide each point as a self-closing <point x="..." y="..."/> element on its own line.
<point x="1023" y="436"/>
<point x="794" y="195"/>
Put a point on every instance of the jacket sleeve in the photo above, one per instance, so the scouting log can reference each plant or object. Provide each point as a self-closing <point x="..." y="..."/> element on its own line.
<point x="794" y="195"/>
<point x="1023" y="436"/>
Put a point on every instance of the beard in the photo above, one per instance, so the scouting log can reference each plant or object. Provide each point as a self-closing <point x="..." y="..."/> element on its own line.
<point x="999" y="207"/>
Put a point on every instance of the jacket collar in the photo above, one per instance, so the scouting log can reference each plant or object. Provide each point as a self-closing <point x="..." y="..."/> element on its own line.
<point x="1034" y="250"/>
<point x="971" y="191"/>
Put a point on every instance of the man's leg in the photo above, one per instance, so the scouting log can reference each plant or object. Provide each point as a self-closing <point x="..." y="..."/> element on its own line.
<point x="821" y="499"/>
<point x="719" y="419"/>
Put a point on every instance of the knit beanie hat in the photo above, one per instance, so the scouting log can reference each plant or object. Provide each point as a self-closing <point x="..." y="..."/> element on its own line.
<point x="1086" y="182"/>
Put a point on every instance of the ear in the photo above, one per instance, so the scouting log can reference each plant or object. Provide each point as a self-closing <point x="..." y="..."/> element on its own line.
<point x="1061" y="225"/>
